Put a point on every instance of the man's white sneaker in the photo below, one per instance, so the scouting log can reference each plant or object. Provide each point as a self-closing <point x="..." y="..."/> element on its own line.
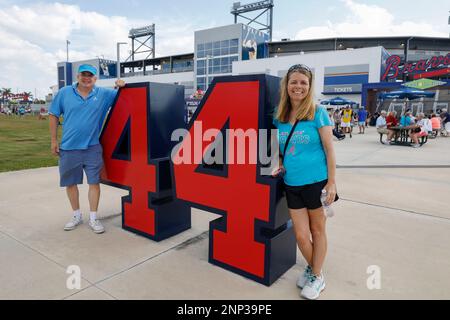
<point x="313" y="287"/>
<point x="304" y="276"/>
<point x="73" y="223"/>
<point x="96" y="226"/>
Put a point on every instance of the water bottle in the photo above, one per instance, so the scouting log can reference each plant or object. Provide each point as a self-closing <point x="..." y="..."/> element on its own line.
<point x="327" y="209"/>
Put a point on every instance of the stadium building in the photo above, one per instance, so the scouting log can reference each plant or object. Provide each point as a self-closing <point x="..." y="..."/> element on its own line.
<point x="359" y="69"/>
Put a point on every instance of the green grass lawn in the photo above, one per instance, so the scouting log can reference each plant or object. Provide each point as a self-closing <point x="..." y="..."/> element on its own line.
<point x="25" y="143"/>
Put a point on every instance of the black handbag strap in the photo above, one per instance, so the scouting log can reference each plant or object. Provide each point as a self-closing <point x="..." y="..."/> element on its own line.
<point x="289" y="139"/>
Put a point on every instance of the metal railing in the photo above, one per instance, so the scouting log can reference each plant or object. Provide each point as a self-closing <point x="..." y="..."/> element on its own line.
<point x="153" y="72"/>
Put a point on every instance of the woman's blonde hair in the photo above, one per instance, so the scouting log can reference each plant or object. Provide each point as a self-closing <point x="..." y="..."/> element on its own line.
<point x="307" y="108"/>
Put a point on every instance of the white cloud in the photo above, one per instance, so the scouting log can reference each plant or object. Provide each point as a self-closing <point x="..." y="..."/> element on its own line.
<point x="33" y="40"/>
<point x="368" y="20"/>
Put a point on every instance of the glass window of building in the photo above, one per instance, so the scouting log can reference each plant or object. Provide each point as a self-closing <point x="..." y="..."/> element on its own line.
<point x="201" y="80"/>
<point x="165" y="65"/>
<point x="218" y="56"/>
<point x="224" y="51"/>
<point x="201" y="71"/>
<point x="201" y="63"/>
<point x="201" y="54"/>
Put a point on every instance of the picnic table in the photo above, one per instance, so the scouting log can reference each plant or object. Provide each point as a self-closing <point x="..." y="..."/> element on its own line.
<point x="402" y="138"/>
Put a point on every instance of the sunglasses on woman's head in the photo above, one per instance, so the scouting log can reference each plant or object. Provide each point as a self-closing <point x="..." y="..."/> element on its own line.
<point x="297" y="67"/>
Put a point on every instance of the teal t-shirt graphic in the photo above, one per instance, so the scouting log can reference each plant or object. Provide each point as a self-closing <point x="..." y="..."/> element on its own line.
<point x="305" y="160"/>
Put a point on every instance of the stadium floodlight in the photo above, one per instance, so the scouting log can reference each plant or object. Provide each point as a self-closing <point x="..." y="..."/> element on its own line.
<point x="238" y="8"/>
<point x="142" y="42"/>
<point x="118" y="58"/>
<point x="265" y="6"/>
<point x="142" y="32"/>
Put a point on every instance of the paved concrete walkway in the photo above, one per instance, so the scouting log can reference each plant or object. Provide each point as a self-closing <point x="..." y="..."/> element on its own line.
<point x="397" y="219"/>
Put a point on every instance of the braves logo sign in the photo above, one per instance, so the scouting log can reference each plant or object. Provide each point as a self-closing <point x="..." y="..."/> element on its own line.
<point x="394" y="67"/>
<point x="252" y="236"/>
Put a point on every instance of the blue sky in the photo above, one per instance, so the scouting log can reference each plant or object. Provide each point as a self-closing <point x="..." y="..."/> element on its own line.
<point x="32" y="34"/>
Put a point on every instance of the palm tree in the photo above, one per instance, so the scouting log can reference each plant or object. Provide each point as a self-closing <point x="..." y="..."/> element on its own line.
<point x="26" y="96"/>
<point x="5" y="93"/>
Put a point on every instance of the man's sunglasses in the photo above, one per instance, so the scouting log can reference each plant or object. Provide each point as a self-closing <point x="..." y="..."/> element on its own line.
<point x="297" y="67"/>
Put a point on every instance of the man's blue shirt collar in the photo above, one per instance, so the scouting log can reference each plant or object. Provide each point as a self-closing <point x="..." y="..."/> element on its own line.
<point x="93" y="91"/>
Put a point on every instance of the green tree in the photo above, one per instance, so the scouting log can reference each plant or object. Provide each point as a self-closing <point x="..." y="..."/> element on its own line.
<point x="5" y="94"/>
<point x="27" y="96"/>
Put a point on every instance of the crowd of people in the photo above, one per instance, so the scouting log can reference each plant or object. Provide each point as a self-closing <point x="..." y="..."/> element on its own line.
<point x="432" y="124"/>
<point x="17" y="110"/>
<point x="420" y="126"/>
<point x="345" y="118"/>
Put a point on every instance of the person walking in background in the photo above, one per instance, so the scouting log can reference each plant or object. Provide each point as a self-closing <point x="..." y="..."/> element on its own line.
<point x="337" y="117"/>
<point x="362" y="117"/>
<point x="346" y="119"/>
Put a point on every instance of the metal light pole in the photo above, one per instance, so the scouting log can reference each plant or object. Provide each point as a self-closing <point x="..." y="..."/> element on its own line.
<point x="406" y="57"/>
<point x="407" y="48"/>
<point x="67" y="49"/>
<point x="118" y="58"/>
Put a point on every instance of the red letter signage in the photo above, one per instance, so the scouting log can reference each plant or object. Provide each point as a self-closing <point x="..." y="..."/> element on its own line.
<point x="253" y="236"/>
<point x="251" y="230"/>
<point x="133" y="155"/>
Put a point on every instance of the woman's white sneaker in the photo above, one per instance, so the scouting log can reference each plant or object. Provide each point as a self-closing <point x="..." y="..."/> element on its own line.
<point x="96" y="226"/>
<point x="73" y="223"/>
<point x="303" y="278"/>
<point x="314" y="286"/>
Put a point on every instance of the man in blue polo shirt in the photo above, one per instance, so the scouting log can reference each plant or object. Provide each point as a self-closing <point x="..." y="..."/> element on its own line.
<point x="83" y="107"/>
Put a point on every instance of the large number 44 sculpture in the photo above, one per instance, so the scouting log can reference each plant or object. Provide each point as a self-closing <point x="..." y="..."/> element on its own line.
<point x="253" y="237"/>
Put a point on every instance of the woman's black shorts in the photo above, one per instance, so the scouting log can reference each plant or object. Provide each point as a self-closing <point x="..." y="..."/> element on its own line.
<point x="307" y="196"/>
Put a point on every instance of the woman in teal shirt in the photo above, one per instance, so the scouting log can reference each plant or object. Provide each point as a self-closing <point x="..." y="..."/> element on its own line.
<point x="309" y="165"/>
